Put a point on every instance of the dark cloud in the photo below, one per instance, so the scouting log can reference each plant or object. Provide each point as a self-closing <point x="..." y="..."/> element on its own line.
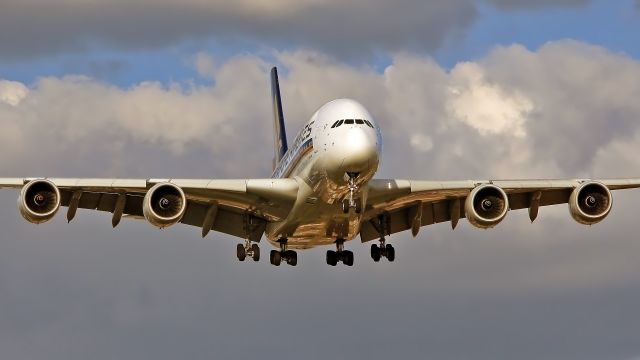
<point x="37" y="27"/>
<point x="552" y="290"/>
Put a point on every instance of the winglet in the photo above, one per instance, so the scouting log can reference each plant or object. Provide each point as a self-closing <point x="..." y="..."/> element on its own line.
<point x="280" y="134"/>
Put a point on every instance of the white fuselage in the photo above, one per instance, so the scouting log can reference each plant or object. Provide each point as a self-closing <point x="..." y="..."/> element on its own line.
<point x="320" y="159"/>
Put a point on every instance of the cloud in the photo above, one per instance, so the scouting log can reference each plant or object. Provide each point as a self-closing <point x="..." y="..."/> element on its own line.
<point x="12" y="92"/>
<point x="567" y="109"/>
<point x="357" y="29"/>
<point x="503" y="106"/>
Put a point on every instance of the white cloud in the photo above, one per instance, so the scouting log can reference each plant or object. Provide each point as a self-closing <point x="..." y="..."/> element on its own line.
<point x="485" y="106"/>
<point x="12" y="92"/>
<point x="421" y="142"/>
<point x="514" y="113"/>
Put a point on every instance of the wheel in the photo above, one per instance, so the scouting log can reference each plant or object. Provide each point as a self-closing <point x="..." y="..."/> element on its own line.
<point x="275" y="257"/>
<point x="347" y="258"/>
<point x="241" y="252"/>
<point x="375" y="252"/>
<point x="391" y="253"/>
<point x="256" y="252"/>
<point x="345" y="206"/>
<point x="358" y="207"/>
<point x="332" y="258"/>
<point x="292" y="258"/>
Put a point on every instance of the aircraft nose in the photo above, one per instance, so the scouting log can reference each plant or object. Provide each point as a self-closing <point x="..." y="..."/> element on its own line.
<point x="359" y="150"/>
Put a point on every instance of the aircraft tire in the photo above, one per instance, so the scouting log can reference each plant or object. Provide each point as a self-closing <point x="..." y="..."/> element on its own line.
<point x="375" y="252"/>
<point x="241" y="252"/>
<point x="275" y="257"/>
<point x="391" y="253"/>
<point x="347" y="258"/>
<point x="256" y="252"/>
<point x="332" y="258"/>
<point x="292" y="258"/>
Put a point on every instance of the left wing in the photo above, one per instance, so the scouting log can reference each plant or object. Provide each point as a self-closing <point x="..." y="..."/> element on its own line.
<point x="236" y="207"/>
<point x="398" y="205"/>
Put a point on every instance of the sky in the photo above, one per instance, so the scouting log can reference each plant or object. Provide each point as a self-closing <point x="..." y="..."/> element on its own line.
<point x="461" y="89"/>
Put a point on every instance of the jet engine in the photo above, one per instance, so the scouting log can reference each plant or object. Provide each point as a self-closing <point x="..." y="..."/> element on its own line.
<point x="164" y="205"/>
<point x="39" y="201"/>
<point x="590" y="203"/>
<point x="486" y="206"/>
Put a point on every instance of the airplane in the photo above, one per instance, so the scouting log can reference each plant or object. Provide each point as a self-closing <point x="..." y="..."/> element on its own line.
<point x="322" y="192"/>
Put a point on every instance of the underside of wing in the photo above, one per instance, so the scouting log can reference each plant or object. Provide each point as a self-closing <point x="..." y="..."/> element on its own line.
<point x="398" y="205"/>
<point x="240" y="208"/>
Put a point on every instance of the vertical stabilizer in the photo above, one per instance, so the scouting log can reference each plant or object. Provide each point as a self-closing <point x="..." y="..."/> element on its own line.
<point x="280" y="134"/>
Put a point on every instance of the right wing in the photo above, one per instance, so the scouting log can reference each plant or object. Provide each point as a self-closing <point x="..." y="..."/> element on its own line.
<point x="240" y="208"/>
<point x="398" y="205"/>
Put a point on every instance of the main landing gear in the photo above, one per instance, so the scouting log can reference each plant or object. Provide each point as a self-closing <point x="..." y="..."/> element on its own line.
<point x="288" y="256"/>
<point x="383" y="250"/>
<point x="350" y="202"/>
<point x="248" y="249"/>
<point x="345" y="256"/>
<point x="383" y="226"/>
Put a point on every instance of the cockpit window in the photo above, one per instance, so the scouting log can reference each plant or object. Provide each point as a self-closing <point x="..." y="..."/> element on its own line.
<point x="351" y="122"/>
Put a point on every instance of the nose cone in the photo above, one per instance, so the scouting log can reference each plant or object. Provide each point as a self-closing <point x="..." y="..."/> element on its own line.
<point x="359" y="151"/>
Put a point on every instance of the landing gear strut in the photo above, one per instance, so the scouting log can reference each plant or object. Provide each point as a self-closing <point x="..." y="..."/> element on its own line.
<point x="248" y="249"/>
<point x="345" y="256"/>
<point x="350" y="202"/>
<point x="289" y="256"/>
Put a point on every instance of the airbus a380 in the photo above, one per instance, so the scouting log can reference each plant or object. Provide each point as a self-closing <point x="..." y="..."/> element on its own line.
<point x="322" y="192"/>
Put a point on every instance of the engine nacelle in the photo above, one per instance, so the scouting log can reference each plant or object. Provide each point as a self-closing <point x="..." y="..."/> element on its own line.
<point x="486" y="206"/>
<point x="39" y="201"/>
<point x="164" y="205"/>
<point x="590" y="203"/>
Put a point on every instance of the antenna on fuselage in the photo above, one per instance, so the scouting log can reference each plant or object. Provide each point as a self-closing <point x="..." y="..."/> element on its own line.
<point x="280" y="134"/>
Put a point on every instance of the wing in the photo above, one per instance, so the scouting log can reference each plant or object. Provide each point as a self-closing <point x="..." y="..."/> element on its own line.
<point x="398" y="205"/>
<point x="240" y="208"/>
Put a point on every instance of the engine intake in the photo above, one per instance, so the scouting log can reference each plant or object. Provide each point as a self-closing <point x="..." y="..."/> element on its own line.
<point x="590" y="203"/>
<point x="164" y="205"/>
<point x="486" y="206"/>
<point x="39" y="201"/>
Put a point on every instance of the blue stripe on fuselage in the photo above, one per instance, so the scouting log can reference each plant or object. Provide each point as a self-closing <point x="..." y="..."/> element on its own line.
<point x="292" y="158"/>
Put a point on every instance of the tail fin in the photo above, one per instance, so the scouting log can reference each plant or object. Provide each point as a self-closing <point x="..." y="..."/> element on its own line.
<point x="280" y="134"/>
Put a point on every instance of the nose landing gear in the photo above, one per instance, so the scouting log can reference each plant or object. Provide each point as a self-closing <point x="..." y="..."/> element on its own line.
<point x="351" y="202"/>
<point x="340" y="255"/>
<point x="248" y="249"/>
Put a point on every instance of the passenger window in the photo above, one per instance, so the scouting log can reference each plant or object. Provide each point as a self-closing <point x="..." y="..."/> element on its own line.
<point x="348" y="122"/>
<point x="359" y="122"/>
